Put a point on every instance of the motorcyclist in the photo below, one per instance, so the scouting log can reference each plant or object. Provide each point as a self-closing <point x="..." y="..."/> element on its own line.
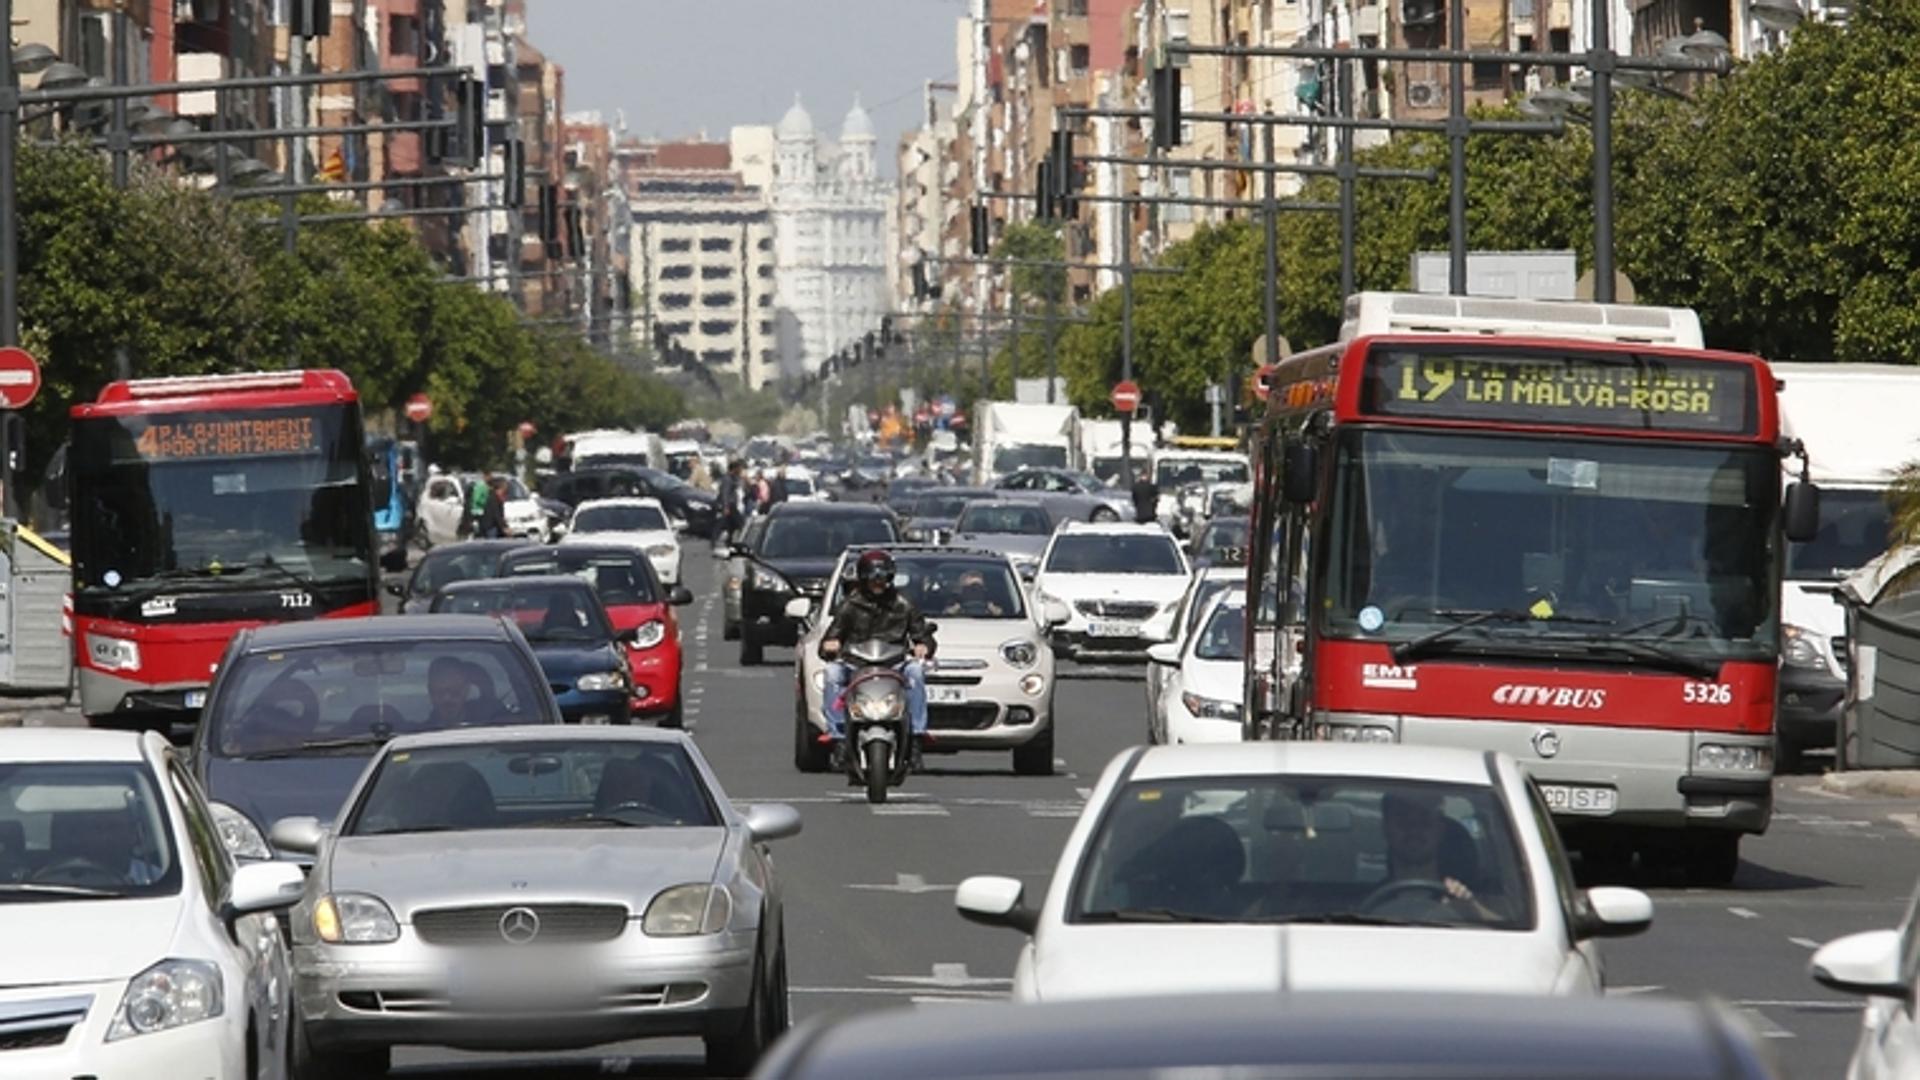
<point x="875" y="610"/>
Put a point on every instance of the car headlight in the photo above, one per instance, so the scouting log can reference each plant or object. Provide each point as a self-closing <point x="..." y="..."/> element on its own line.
<point x="1207" y="708"/>
<point x="915" y="535"/>
<point x="1362" y="733"/>
<point x="685" y="910"/>
<point x="170" y="994"/>
<point x="1033" y="684"/>
<point x="767" y="581"/>
<point x="238" y="833"/>
<point x="596" y="681"/>
<point x="650" y="633"/>
<point x="354" y="919"/>
<point x="113" y="654"/>
<point x="661" y="551"/>
<point x="1020" y="652"/>
<point x="1802" y="648"/>
<point x="1722" y="758"/>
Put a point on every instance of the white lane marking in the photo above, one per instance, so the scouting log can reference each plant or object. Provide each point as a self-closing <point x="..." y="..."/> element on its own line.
<point x="910" y="884"/>
<point x="1083" y="792"/>
<point x="1814" y="1005"/>
<point x="701" y="666"/>
<point x="1909" y="822"/>
<point x="1765" y="1027"/>
<point x="945" y="977"/>
<point x="956" y="999"/>
<point x="910" y="810"/>
<point x="1823" y="821"/>
<point x="1745" y="913"/>
<point x="897" y="991"/>
<point x="1805" y="943"/>
<point x="1629" y="991"/>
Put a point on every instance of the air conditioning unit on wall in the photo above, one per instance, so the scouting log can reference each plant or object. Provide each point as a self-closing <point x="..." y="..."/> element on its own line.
<point x="1424" y="95"/>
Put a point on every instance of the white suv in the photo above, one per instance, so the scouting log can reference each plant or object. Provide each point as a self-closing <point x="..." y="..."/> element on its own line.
<point x="1112" y="578"/>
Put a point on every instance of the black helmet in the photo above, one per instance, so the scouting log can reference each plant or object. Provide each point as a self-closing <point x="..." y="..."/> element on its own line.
<point x="874" y="566"/>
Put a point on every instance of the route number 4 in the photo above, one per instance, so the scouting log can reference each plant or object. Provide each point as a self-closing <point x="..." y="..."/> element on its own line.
<point x="1709" y="694"/>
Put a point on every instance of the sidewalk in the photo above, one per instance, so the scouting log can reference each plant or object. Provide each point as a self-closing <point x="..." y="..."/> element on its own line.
<point x="1890" y="783"/>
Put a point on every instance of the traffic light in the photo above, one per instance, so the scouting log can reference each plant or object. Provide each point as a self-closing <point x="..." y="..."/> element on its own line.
<point x="1043" y="191"/>
<point x="1166" y="107"/>
<point x="469" y="142"/>
<point x="1061" y="169"/>
<point x="311" y="18"/>
<point x="979" y="230"/>
<point x="550" y="217"/>
<point x="514" y="171"/>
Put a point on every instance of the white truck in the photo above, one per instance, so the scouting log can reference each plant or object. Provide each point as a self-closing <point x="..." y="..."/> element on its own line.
<point x="1186" y="477"/>
<point x="1100" y="448"/>
<point x="1859" y="423"/>
<point x="1009" y="436"/>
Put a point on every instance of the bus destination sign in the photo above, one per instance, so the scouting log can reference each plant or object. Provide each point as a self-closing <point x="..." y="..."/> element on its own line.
<point x="1638" y="391"/>
<point x="256" y="436"/>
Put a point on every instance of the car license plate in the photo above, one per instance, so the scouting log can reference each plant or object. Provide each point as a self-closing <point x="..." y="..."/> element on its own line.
<point x="1578" y="799"/>
<point x="1113" y="629"/>
<point x="946" y="695"/>
<point x="196" y="698"/>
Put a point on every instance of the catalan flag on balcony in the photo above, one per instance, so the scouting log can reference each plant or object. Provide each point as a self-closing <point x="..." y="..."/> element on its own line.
<point x="334" y="169"/>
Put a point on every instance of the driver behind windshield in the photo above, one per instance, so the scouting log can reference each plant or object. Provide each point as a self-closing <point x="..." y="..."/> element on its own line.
<point x="875" y="611"/>
<point x="971" y="598"/>
<point x="1429" y="852"/>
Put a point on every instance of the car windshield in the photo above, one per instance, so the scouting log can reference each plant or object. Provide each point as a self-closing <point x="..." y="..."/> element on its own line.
<point x="952" y="588"/>
<point x="1854" y="526"/>
<point x="84" y="830"/>
<point x="444" y="567"/>
<point x="1015" y="520"/>
<point x="1176" y="472"/>
<point x="1203" y="592"/>
<point x="1114" y="553"/>
<point x="1225" y="636"/>
<point x="320" y="699"/>
<point x="618" y="577"/>
<point x="619" y="518"/>
<point x="822" y="536"/>
<point x="799" y="485"/>
<point x="1304" y="849"/>
<point x="1110" y="469"/>
<point x="941" y="505"/>
<point x="544" y="613"/>
<point x="562" y="783"/>
<point x="1008" y="459"/>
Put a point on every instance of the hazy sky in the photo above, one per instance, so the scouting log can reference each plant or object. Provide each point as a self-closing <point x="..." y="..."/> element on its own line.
<point x="679" y="66"/>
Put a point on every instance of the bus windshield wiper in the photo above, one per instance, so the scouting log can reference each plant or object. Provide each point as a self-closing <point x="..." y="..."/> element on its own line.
<point x="1407" y="650"/>
<point x="1653" y="654"/>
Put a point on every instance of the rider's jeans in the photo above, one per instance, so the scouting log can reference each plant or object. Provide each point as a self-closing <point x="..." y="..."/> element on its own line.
<point x="837" y="675"/>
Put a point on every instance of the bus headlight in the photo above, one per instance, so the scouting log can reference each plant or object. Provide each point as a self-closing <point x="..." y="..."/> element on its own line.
<point x="1722" y="758"/>
<point x="1362" y="733"/>
<point x="113" y="654"/>
<point x="1802" y="648"/>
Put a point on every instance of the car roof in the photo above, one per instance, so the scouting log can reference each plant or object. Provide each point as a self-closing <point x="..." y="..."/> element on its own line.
<point x="1115" y="528"/>
<point x="1213" y="572"/>
<point x="1387" y="762"/>
<point x="538" y="733"/>
<point x="793" y="509"/>
<point x="1306" y="1036"/>
<point x="621" y="500"/>
<point x="581" y="550"/>
<point x="515" y="583"/>
<point x="377" y="628"/>
<point x="474" y="545"/>
<point x="37" y="744"/>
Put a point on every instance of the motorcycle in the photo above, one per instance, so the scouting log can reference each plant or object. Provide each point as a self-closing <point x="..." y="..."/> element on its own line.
<point x="879" y="751"/>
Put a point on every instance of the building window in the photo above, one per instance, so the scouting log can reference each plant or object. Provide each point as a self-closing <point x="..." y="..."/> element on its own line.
<point x="716" y="243"/>
<point x="1077" y="8"/>
<point x="717" y="327"/>
<point x="676" y="244"/>
<point x="717" y="356"/>
<point x="765" y="271"/>
<point x="766" y="326"/>
<point x="409" y="105"/>
<point x="676" y="301"/>
<point x="676" y="272"/>
<point x="403" y="35"/>
<point x="715" y="273"/>
<point x="677" y="329"/>
<point x="1079" y="58"/>
<point x="719" y="299"/>
<point x="1179" y="32"/>
<point x="766" y="300"/>
<point x="1489" y="76"/>
<point x="765" y="244"/>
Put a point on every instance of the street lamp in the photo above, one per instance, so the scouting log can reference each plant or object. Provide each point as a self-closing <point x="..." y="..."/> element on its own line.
<point x="60" y="75"/>
<point x="1704" y="46"/>
<point x="248" y="169"/>
<point x="33" y="58"/>
<point x="1553" y="101"/>
<point x="1776" y="15"/>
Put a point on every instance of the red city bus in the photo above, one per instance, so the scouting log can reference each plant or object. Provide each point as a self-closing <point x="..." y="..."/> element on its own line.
<point x="203" y="505"/>
<point x="1561" y="548"/>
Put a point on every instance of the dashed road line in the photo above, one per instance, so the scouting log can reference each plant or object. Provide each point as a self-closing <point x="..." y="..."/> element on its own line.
<point x="1805" y="943"/>
<point x="906" y="884"/>
<point x="910" y="810"/>
<point x="945" y="977"/>
<point x="1744" y="913"/>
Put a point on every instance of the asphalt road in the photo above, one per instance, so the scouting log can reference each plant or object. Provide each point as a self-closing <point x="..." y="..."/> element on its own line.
<point x="869" y="889"/>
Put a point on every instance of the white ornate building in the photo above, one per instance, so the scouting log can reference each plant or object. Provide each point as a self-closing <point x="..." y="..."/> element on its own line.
<point x="830" y="210"/>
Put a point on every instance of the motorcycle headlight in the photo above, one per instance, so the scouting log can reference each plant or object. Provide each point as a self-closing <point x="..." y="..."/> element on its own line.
<point x="767" y="581"/>
<point x="596" y="681"/>
<point x="113" y="654"/>
<point x="686" y="910"/>
<point x="170" y="994"/>
<point x="651" y="633"/>
<point x="1802" y="648"/>
<point x="876" y="706"/>
<point x="238" y="833"/>
<point x="1207" y="708"/>
<point x="1020" y="653"/>
<point x="354" y="919"/>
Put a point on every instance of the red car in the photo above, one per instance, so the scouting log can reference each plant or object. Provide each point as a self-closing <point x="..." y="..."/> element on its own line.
<point x="634" y="599"/>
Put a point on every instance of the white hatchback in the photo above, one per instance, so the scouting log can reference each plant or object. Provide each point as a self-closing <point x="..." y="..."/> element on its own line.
<point x="1112" y="579"/>
<point x="135" y="945"/>
<point x="633" y="522"/>
<point x="1203" y="686"/>
<point x="1884" y="967"/>
<point x="1261" y="867"/>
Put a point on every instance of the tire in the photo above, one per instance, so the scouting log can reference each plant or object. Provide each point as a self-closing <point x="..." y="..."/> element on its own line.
<point x="735" y="1053"/>
<point x="1713" y="858"/>
<point x="1035" y="757"/>
<point x="809" y="756"/>
<point x="751" y="651"/>
<point x="878" y="771"/>
<point x="676" y="717"/>
<point x="1789" y="757"/>
<point x="306" y="1063"/>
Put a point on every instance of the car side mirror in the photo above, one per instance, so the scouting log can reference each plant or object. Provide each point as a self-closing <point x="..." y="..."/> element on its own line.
<point x="1614" y="912"/>
<point x="799" y="608"/>
<point x="1055" y="613"/>
<point x="772" y="821"/>
<point x="261" y="886"/>
<point x="1867" y="964"/>
<point x="1166" y="652"/>
<point x="995" y="901"/>
<point x="679" y="596"/>
<point x="299" y="835"/>
<point x="1303" y="473"/>
<point x="1801" y="511"/>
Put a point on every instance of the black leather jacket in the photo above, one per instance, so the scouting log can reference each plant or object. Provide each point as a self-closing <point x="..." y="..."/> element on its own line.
<point x="890" y="618"/>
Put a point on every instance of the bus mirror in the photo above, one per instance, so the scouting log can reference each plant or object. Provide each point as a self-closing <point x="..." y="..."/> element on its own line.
<point x="1302" y="473"/>
<point x="1802" y="511"/>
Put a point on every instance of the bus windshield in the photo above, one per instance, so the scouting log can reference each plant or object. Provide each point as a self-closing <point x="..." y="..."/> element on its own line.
<point x="262" y="496"/>
<point x="1559" y="539"/>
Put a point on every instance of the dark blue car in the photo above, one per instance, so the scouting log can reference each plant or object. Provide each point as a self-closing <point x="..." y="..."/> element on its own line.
<point x="583" y="656"/>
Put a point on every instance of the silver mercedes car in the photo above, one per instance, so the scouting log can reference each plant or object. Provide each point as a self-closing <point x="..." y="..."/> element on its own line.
<point x="533" y="889"/>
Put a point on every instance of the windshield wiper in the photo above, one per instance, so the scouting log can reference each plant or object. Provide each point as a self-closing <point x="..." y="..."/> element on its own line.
<point x="87" y="892"/>
<point x="318" y="746"/>
<point x="1674" y="623"/>
<point x="582" y="819"/>
<point x="1408" y="650"/>
<point x="1652" y="653"/>
<point x="1354" y="918"/>
<point x="1157" y="915"/>
<point x="412" y="829"/>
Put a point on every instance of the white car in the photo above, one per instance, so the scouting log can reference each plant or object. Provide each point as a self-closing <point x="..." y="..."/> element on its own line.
<point x="1202" y="693"/>
<point x="521" y="509"/>
<point x="134" y="944"/>
<point x="1173" y="626"/>
<point x="991" y="683"/>
<point x="1884" y="967"/>
<point x="1113" y="578"/>
<point x="1282" y="866"/>
<point x="804" y="486"/>
<point x="634" y="522"/>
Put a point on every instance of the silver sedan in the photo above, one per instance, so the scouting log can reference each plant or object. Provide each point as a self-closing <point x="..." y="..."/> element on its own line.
<point x="527" y="889"/>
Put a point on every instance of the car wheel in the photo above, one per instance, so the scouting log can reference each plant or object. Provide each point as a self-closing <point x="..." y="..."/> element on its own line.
<point x="751" y="651"/>
<point x="306" y="1063"/>
<point x="809" y="754"/>
<point x="1035" y="758"/>
<point x="1713" y="858"/>
<point x="735" y="1053"/>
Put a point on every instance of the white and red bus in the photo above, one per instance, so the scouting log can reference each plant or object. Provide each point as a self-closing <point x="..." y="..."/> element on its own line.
<point x="202" y="505"/>
<point x="1549" y="529"/>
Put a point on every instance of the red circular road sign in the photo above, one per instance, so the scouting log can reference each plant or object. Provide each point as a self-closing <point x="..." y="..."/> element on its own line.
<point x="419" y="408"/>
<point x="1126" y="396"/>
<point x="526" y="430"/>
<point x="19" y="378"/>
